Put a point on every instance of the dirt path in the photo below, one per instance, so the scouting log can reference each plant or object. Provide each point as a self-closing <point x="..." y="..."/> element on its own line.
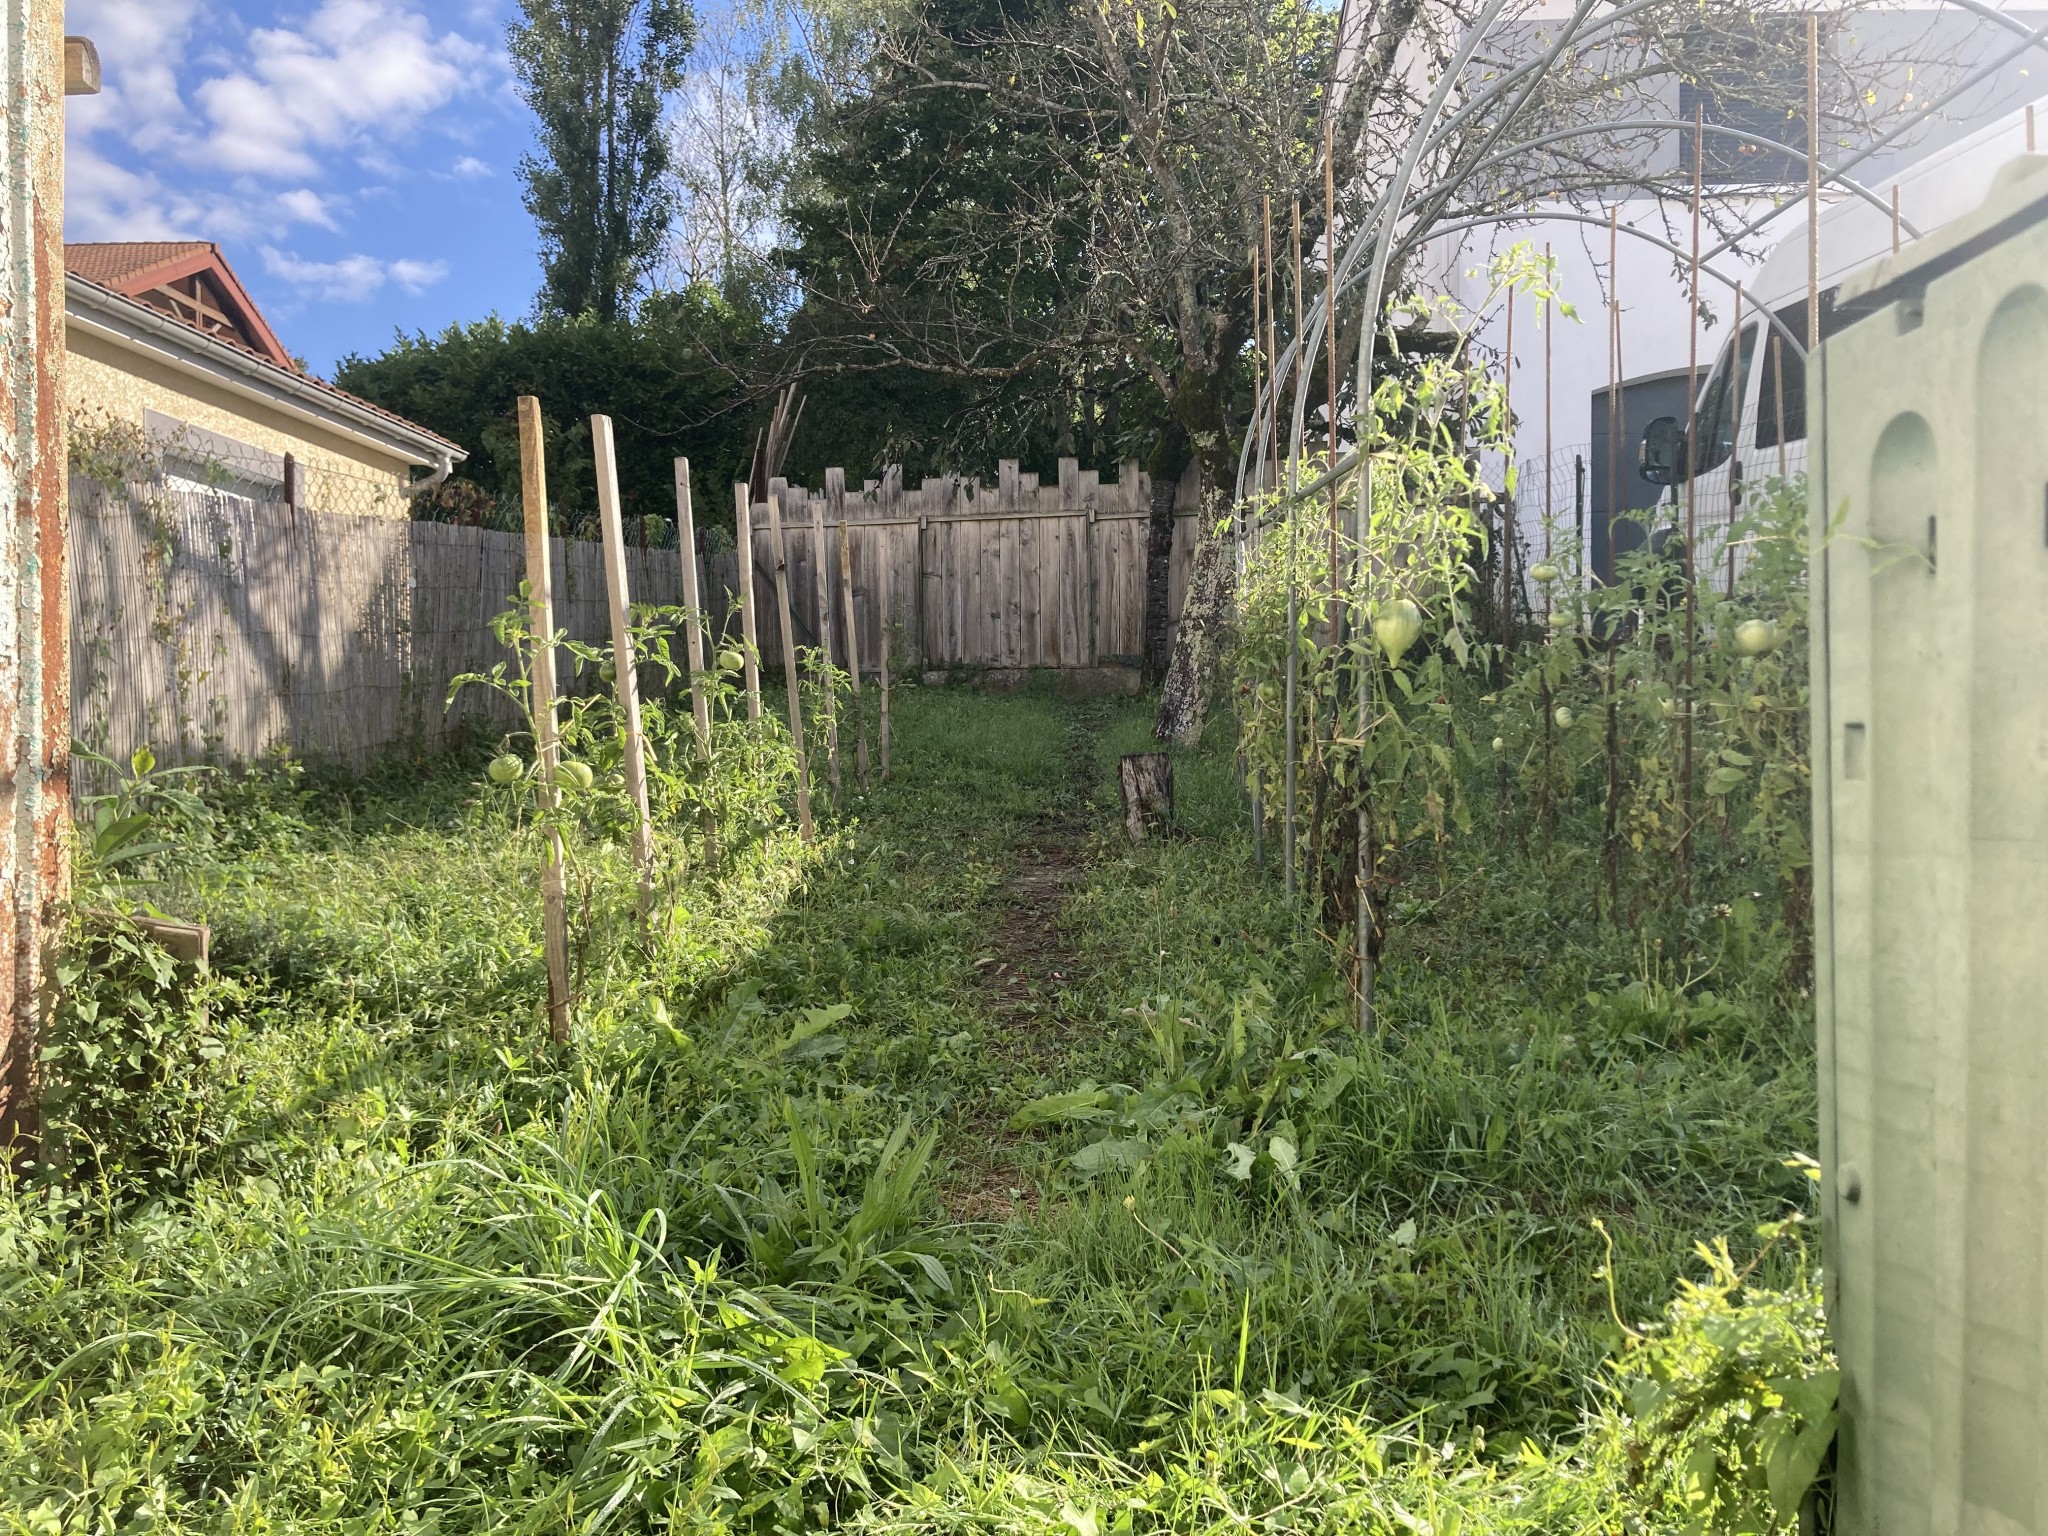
<point x="1027" y="967"/>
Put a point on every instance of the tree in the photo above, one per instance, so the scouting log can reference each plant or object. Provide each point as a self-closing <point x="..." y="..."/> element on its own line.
<point x="597" y="74"/>
<point x="664" y="377"/>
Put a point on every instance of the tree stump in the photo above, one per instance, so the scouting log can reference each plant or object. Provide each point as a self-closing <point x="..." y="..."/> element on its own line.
<point x="1147" y="779"/>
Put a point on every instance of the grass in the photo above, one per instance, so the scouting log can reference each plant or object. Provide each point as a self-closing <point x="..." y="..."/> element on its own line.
<point x="871" y="1196"/>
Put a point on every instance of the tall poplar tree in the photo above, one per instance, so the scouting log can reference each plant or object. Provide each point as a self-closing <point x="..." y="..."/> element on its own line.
<point x="596" y="74"/>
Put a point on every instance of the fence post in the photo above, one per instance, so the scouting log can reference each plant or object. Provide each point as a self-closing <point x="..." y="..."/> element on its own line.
<point x="852" y="639"/>
<point x="822" y="587"/>
<point x="882" y="602"/>
<point x="693" y="643"/>
<point x="625" y="684"/>
<point x="796" y="712"/>
<point x="750" y="651"/>
<point x="540" y="620"/>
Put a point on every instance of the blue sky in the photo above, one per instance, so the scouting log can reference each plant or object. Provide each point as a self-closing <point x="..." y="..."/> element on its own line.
<point x="355" y="159"/>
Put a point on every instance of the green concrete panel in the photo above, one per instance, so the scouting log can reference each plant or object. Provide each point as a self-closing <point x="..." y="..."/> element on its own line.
<point x="1930" y="528"/>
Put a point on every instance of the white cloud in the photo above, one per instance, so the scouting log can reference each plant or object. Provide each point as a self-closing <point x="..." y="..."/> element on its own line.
<point x="360" y="70"/>
<point x="417" y="276"/>
<point x="469" y="168"/>
<point x="352" y="278"/>
<point x="305" y="206"/>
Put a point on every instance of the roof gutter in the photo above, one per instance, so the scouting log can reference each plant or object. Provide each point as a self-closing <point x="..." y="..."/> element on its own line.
<point x="114" y="317"/>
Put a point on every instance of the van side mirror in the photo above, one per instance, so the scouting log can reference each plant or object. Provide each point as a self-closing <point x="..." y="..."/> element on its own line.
<point x="1664" y="452"/>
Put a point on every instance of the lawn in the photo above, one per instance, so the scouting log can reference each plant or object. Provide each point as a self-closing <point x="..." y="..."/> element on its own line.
<point x="970" y="1169"/>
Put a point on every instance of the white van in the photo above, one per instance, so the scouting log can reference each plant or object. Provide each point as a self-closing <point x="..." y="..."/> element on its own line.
<point x="1756" y="430"/>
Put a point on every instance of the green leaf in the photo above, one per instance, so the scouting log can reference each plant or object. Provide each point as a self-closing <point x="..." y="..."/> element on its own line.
<point x="1112" y="1153"/>
<point x="1081" y="1104"/>
<point x="1792" y="1460"/>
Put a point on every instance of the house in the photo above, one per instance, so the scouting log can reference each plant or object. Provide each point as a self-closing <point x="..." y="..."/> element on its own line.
<point x="162" y="339"/>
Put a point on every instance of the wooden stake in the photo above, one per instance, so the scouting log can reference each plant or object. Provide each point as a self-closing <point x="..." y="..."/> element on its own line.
<point x="750" y="649"/>
<point x="1290" y="789"/>
<point x="796" y="709"/>
<point x="625" y="685"/>
<point x="822" y="588"/>
<point x="1272" y="339"/>
<point x="1330" y="336"/>
<point x="1692" y="396"/>
<point x="1507" y="534"/>
<point x="693" y="634"/>
<point x="882" y="602"/>
<point x="1741" y="382"/>
<point x="1812" y="187"/>
<point x="540" y="621"/>
<point x="860" y="715"/>
<point x="693" y="643"/>
<point x="1549" y="469"/>
<point x="1895" y="211"/>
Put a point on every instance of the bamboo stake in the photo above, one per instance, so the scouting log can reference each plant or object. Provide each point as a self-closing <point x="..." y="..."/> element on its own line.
<point x="860" y="715"/>
<point x="796" y="709"/>
<point x="822" y="588"/>
<point x="1330" y="335"/>
<point x="1895" y="213"/>
<point x="1248" y="777"/>
<point x="1507" y="500"/>
<point x="1692" y="396"/>
<point x="625" y="684"/>
<point x="1610" y="846"/>
<point x="882" y="599"/>
<point x="693" y="642"/>
<point x="1741" y="380"/>
<point x="1549" y="467"/>
<point x="1291" y="788"/>
<point x="540" y="621"/>
<point x="750" y="649"/>
<point x="1272" y="338"/>
<point x="1812" y="187"/>
<point x="1368" y="850"/>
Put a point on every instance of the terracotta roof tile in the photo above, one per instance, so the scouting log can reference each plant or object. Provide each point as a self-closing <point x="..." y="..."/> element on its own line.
<point x="111" y="262"/>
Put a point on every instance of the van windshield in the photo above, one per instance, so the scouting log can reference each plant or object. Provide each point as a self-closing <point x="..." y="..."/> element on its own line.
<point x="1719" y="412"/>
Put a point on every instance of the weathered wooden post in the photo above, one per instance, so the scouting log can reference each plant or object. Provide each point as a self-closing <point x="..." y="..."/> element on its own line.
<point x="693" y="643"/>
<point x="540" y="620"/>
<point x="625" y="683"/>
<point x="853" y="652"/>
<point x="750" y="649"/>
<point x="796" y="709"/>
<point x="823" y="591"/>
<point x="882" y="602"/>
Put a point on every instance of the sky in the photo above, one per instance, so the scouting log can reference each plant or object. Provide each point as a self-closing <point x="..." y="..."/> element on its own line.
<point x="356" y="160"/>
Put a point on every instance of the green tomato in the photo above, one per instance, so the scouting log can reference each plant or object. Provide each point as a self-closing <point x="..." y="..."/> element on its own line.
<point x="730" y="661"/>
<point x="1559" y="619"/>
<point x="1545" y="573"/>
<point x="608" y="670"/>
<point x="1756" y="637"/>
<point x="578" y="776"/>
<point x="1397" y="625"/>
<point x="1500" y="744"/>
<point x="1563" y="716"/>
<point x="507" y="768"/>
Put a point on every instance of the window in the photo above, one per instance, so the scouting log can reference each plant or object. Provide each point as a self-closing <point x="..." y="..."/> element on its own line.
<point x="1715" y="418"/>
<point x="1752" y="79"/>
<point x="1784" y="375"/>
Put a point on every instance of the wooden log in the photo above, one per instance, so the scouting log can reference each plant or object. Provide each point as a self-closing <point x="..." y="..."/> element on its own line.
<point x="796" y="711"/>
<point x="1147" y="782"/>
<point x="750" y="649"/>
<point x="853" y="650"/>
<point x="831" y="693"/>
<point x="625" y="682"/>
<point x="540" y="619"/>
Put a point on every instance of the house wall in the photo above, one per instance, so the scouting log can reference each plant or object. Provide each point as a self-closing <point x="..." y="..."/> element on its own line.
<point x="105" y="380"/>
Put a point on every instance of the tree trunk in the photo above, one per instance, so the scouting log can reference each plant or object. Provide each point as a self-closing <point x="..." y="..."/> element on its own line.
<point x="1159" y="575"/>
<point x="1198" y="640"/>
<point x="1147" y="781"/>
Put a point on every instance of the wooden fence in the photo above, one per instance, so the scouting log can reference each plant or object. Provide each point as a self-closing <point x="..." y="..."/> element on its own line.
<point x="1017" y="574"/>
<point x="210" y="626"/>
